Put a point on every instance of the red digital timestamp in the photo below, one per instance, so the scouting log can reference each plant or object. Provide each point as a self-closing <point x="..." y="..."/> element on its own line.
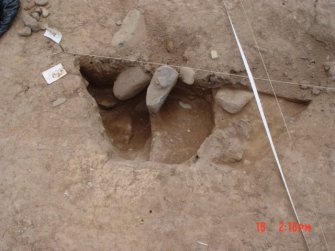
<point x="290" y="227"/>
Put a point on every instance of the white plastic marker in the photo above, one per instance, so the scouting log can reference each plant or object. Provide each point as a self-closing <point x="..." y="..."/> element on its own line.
<point x="53" y="34"/>
<point x="265" y="123"/>
<point x="54" y="73"/>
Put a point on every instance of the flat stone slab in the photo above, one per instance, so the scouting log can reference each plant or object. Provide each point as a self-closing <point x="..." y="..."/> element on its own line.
<point x="233" y="101"/>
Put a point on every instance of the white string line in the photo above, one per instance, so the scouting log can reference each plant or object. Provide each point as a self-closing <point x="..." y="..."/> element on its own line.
<point x="196" y="69"/>
<point x="281" y="112"/>
<point x="266" y="70"/>
<point x="260" y="107"/>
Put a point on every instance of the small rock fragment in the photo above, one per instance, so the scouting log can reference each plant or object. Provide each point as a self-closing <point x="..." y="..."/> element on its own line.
<point x="130" y="83"/>
<point x="330" y="69"/>
<point x="164" y="79"/>
<point x="187" y="75"/>
<point x="25" y="32"/>
<point x="170" y="46"/>
<point x="214" y="54"/>
<point x="31" y="22"/>
<point x="185" y="106"/>
<point x="59" y="102"/>
<point x="132" y="30"/>
<point x="29" y="5"/>
<point x="107" y="103"/>
<point x="222" y="146"/>
<point x="38" y="10"/>
<point x="243" y="128"/>
<point x="119" y="23"/>
<point x="233" y="101"/>
<point x="41" y="2"/>
<point x="316" y="91"/>
<point x="45" y="12"/>
<point x="304" y="85"/>
<point x="326" y="67"/>
<point x="36" y="16"/>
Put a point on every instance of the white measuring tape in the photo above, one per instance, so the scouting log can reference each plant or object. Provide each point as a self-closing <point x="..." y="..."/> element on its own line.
<point x="265" y="123"/>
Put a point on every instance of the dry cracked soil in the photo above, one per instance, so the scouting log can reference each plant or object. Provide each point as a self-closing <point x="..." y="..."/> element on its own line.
<point x="95" y="173"/>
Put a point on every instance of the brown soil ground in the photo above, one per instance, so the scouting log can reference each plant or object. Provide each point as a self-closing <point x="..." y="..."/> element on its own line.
<point x="75" y="177"/>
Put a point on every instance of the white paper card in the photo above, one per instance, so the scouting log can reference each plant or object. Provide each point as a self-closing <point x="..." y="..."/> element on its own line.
<point x="53" y="34"/>
<point x="54" y="73"/>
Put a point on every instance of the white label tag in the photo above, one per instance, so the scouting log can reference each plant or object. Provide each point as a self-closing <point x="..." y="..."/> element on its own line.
<point x="54" y="73"/>
<point x="54" y="35"/>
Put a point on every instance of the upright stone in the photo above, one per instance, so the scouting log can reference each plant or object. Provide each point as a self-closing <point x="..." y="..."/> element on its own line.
<point x="131" y="32"/>
<point x="164" y="79"/>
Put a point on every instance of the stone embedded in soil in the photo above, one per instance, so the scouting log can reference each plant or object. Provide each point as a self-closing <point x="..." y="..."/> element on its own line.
<point x="233" y="101"/>
<point x="25" y="32"/>
<point x="304" y="85"/>
<point x="41" y="2"/>
<point x="187" y="75"/>
<point x="164" y="79"/>
<point x="31" y="22"/>
<point x="45" y="12"/>
<point x="36" y="16"/>
<point x="214" y="54"/>
<point x="130" y="82"/>
<point x="222" y="146"/>
<point x="132" y="30"/>
<point x="185" y="106"/>
<point x="170" y="46"/>
<point x="330" y="69"/>
<point x="59" y="102"/>
<point x="316" y="91"/>
<point x="28" y="5"/>
<point x="243" y="128"/>
<point x="38" y="10"/>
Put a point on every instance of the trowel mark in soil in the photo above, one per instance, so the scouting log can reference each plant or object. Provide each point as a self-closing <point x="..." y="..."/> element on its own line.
<point x="172" y="136"/>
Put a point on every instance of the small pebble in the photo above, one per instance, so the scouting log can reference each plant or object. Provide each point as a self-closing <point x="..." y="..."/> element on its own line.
<point x="304" y="85"/>
<point x="38" y="10"/>
<point x="36" y="16"/>
<point x="316" y="91"/>
<point x="187" y="75"/>
<point x="29" y="6"/>
<point x="214" y="54"/>
<point x="170" y="47"/>
<point x="45" y="12"/>
<point x="41" y="2"/>
<point x="25" y="32"/>
<point x="58" y="102"/>
<point x="119" y="23"/>
<point x="326" y="67"/>
<point x="185" y="106"/>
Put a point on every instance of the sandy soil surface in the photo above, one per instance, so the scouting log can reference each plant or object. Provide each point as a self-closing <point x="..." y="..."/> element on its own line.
<point x="71" y="181"/>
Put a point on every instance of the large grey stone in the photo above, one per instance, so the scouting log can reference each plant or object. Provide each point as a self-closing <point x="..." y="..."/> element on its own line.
<point x="222" y="146"/>
<point x="132" y="30"/>
<point x="233" y="101"/>
<point x="130" y="83"/>
<point x="31" y="22"/>
<point x="164" y="79"/>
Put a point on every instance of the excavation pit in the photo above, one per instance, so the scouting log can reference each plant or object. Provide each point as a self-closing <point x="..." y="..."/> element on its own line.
<point x="172" y="136"/>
